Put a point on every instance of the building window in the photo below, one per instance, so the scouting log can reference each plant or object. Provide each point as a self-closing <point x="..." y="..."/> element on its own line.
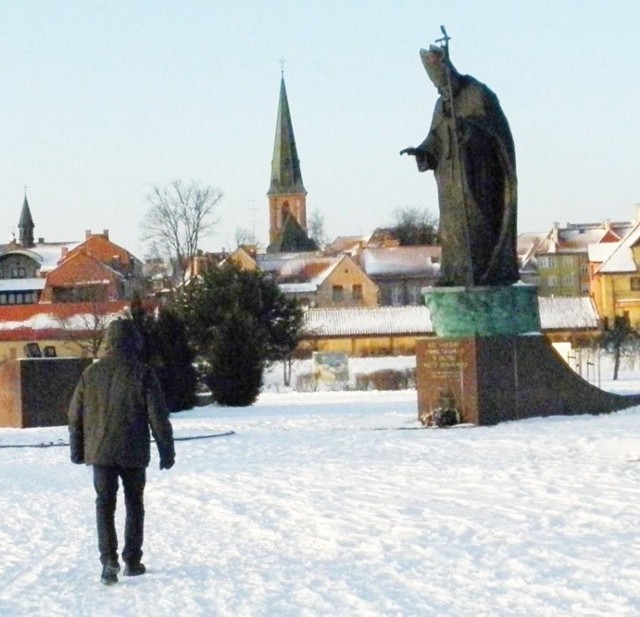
<point x="543" y="262"/>
<point x="414" y="294"/>
<point x="396" y="295"/>
<point x="338" y="293"/>
<point x="552" y="281"/>
<point x="79" y="293"/>
<point x="356" y="292"/>
<point x="635" y="283"/>
<point x="568" y="280"/>
<point x="18" y="273"/>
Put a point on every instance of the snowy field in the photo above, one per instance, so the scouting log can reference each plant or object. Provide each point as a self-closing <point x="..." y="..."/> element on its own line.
<point x="325" y="504"/>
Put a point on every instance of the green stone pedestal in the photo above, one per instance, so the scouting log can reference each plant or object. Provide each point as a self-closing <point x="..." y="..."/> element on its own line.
<point x="483" y="311"/>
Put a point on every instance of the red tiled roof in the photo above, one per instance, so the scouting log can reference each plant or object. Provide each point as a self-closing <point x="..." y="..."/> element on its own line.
<point x="24" y="312"/>
<point x="102" y="249"/>
<point x="80" y="267"/>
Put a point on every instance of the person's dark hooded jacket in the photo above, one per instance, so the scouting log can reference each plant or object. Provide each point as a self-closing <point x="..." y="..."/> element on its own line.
<point x="117" y="400"/>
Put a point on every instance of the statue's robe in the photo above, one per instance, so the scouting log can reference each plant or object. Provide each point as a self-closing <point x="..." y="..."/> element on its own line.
<point x="477" y="189"/>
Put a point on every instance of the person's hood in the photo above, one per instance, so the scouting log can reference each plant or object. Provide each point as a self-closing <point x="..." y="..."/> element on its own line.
<point x="122" y="335"/>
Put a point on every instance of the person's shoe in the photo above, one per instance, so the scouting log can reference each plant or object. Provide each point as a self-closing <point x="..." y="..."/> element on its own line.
<point x="134" y="569"/>
<point x="109" y="574"/>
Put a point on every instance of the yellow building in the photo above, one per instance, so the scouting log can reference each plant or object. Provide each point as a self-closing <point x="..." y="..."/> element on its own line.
<point x="615" y="278"/>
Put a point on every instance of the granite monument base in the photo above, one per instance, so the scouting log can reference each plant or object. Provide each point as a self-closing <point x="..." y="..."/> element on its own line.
<point x="491" y="379"/>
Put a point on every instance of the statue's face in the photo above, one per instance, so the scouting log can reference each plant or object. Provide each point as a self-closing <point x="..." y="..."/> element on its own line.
<point x="434" y="63"/>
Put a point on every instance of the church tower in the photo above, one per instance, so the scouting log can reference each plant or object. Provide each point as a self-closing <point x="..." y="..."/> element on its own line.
<point x="287" y="195"/>
<point x="25" y="225"/>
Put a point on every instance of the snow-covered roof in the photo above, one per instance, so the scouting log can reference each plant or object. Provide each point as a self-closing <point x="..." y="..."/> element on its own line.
<point x="345" y="244"/>
<point x="26" y="284"/>
<point x="573" y="238"/>
<point x="51" y="253"/>
<point x="298" y="288"/>
<point x="621" y="259"/>
<point x="50" y="321"/>
<point x="379" y="320"/>
<point x="567" y="313"/>
<point x="44" y="316"/>
<point x="401" y="260"/>
<point x="304" y="272"/>
<point x="601" y="251"/>
<point x="270" y="262"/>
<point x="555" y="314"/>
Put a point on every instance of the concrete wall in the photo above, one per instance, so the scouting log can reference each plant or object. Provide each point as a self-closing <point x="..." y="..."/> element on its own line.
<point x="361" y="346"/>
<point x="36" y="391"/>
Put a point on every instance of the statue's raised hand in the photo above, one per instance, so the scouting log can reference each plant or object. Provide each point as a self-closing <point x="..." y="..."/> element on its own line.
<point x="410" y="151"/>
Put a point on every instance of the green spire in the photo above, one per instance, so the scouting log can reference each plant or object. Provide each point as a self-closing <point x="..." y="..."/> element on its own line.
<point x="285" y="165"/>
<point x="292" y="238"/>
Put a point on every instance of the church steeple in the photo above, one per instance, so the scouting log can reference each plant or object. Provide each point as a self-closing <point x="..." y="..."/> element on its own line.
<point x="25" y="225"/>
<point x="287" y="195"/>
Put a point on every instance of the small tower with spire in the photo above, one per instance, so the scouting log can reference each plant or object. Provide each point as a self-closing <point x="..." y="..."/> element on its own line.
<point x="287" y="195"/>
<point x="25" y="225"/>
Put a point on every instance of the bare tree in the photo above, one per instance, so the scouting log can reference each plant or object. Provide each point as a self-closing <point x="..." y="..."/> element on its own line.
<point x="316" y="229"/>
<point x="86" y="331"/>
<point x="414" y="226"/>
<point x="179" y="216"/>
<point x="245" y="237"/>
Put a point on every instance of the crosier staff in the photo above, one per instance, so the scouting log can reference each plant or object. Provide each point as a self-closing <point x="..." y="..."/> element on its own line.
<point x="458" y="162"/>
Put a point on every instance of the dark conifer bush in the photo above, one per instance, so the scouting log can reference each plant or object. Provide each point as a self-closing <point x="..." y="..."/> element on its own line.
<point x="238" y="321"/>
<point x="168" y="351"/>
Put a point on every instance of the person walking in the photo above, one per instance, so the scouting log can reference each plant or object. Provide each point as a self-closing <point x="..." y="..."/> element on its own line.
<point x="117" y="400"/>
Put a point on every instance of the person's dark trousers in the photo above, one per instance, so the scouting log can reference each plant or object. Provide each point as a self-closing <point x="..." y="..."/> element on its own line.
<point x="105" y="481"/>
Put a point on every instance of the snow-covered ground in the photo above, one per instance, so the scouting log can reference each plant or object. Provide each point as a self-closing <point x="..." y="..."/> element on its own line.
<point x="327" y="503"/>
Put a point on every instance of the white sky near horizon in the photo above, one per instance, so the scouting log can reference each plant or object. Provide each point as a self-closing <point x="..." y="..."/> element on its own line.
<point x="100" y="101"/>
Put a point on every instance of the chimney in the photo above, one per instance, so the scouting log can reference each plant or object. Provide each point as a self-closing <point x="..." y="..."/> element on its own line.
<point x="40" y="240"/>
<point x="87" y="234"/>
<point x="64" y="251"/>
<point x="198" y="264"/>
<point x="105" y="233"/>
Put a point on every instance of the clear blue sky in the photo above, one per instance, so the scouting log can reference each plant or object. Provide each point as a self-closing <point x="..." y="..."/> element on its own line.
<point x="100" y="101"/>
